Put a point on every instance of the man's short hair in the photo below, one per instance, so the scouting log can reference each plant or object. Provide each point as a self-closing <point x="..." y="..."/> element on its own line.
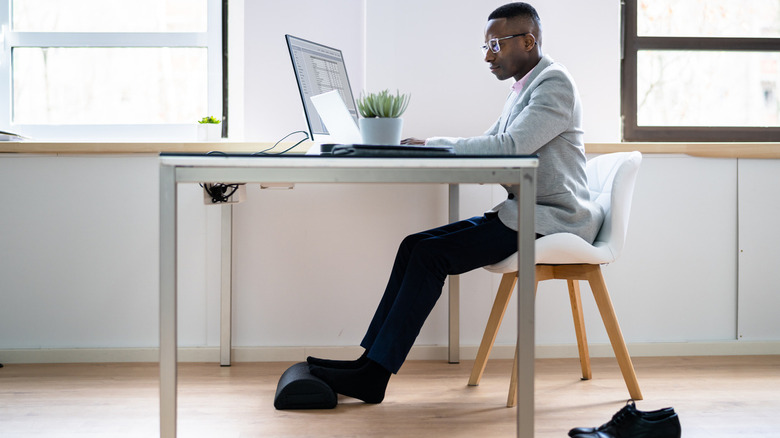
<point x="517" y="9"/>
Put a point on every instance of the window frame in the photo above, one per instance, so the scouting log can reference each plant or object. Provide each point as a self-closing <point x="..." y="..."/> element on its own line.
<point x="211" y="40"/>
<point x="632" y="43"/>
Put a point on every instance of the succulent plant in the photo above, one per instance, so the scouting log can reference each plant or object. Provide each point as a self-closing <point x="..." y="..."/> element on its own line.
<point x="382" y="104"/>
<point x="209" y="119"/>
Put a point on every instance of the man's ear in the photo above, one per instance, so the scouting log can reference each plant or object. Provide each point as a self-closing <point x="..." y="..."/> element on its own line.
<point x="529" y="41"/>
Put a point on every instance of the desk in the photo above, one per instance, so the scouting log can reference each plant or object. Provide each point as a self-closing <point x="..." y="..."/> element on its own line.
<point x="516" y="171"/>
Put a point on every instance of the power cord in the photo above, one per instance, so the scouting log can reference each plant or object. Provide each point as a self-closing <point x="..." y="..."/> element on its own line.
<point x="221" y="192"/>
<point x="265" y="151"/>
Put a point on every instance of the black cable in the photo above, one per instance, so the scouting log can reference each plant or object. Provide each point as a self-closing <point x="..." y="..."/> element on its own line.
<point x="216" y="198"/>
<point x="265" y="151"/>
<point x="220" y="192"/>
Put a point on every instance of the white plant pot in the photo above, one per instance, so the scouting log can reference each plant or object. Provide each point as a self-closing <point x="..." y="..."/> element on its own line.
<point x="381" y="130"/>
<point x="209" y="131"/>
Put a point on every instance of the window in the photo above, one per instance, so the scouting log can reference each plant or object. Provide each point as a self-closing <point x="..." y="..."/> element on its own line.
<point x="701" y="70"/>
<point x="109" y="69"/>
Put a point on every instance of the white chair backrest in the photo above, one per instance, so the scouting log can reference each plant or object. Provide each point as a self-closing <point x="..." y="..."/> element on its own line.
<point x="611" y="179"/>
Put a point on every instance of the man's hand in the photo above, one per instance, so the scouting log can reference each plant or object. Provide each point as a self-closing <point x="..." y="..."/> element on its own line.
<point x="412" y="141"/>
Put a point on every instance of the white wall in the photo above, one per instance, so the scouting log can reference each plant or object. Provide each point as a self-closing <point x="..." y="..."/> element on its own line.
<point x="78" y="252"/>
<point x="272" y="106"/>
<point x="332" y="257"/>
<point x="436" y="57"/>
<point x="78" y="235"/>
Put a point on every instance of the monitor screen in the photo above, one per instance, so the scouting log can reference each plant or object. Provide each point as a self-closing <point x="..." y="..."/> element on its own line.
<point x="319" y="69"/>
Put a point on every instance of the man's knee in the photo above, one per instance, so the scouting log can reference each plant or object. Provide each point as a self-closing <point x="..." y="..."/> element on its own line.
<point x="409" y="243"/>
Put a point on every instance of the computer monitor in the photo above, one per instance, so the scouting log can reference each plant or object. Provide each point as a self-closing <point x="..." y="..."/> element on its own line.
<point x="319" y="69"/>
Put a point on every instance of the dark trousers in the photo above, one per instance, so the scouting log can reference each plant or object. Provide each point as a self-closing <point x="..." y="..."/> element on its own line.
<point x="423" y="262"/>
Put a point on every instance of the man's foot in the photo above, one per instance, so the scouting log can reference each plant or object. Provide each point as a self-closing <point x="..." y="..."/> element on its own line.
<point x="367" y="383"/>
<point x="339" y="364"/>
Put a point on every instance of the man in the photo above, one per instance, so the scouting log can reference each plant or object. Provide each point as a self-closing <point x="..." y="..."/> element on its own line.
<point x="542" y="116"/>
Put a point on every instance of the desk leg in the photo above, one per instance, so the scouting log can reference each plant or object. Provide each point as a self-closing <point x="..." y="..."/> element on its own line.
<point x="226" y="286"/>
<point x="454" y="286"/>
<point x="167" y="301"/>
<point x="525" y="303"/>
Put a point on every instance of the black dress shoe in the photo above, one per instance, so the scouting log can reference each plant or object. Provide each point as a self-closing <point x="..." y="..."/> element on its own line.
<point x="632" y="423"/>
<point x="629" y="407"/>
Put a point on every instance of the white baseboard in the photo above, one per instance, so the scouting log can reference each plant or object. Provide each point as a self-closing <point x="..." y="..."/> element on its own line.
<point x="419" y="352"/>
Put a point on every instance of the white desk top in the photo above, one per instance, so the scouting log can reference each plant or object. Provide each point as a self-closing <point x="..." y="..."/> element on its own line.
<point x="314" y="161"/>
<point x="314" y="169"/>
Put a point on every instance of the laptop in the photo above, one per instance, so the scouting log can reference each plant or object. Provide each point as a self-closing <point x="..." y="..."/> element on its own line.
<point x="329" y="105"/>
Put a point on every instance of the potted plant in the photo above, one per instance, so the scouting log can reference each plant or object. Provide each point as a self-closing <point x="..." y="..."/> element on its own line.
<point x="209" y="129"/>
<point x="381" y="112"/>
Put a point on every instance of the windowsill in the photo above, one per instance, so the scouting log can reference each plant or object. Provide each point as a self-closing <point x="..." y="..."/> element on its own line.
<point x="712" y="150"/>
<point x="145" y="147"/>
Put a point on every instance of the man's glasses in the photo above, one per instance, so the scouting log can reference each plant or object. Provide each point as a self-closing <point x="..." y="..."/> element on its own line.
<point x="493" y="43"/>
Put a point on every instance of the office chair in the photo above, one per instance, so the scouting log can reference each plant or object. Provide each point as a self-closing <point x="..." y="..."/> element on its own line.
<point x="611" y="179"/>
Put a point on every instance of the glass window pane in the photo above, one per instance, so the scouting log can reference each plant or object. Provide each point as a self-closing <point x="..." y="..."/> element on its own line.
<point x="683" y="88"/>
<point x="709" y="18"/>
<point x="109" y="85"/>
<point x="109" y="15"/>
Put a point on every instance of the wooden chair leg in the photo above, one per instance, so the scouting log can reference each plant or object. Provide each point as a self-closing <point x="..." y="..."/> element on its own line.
<point x="500" y="304"/>
<point x="579" y="328"/>
<point x="511" y="399"/>
<point x="604" y="303"/>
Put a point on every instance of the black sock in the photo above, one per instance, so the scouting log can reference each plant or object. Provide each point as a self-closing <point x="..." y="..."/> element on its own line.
<point x="339" y="364"/>
<point x="367" y="383"/>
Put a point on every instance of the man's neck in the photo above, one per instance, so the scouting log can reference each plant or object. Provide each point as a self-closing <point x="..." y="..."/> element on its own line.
<point x="525" y="73"/>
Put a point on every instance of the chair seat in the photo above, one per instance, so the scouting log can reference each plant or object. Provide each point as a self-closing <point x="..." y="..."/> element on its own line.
<point x="560" y="249"/>
<point x="566" y="256"/>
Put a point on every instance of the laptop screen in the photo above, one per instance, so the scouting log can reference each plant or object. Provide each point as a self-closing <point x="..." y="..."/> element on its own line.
<point x="319" y="69"/>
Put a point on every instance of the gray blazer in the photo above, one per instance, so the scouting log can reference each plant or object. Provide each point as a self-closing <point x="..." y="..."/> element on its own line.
<point x="544" y="119"/>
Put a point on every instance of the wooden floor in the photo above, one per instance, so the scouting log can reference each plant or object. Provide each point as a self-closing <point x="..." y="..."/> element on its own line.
<point x="714" y="396"/>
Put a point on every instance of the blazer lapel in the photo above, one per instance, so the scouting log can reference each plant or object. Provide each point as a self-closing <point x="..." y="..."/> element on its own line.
<point x="511" y="105"/>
